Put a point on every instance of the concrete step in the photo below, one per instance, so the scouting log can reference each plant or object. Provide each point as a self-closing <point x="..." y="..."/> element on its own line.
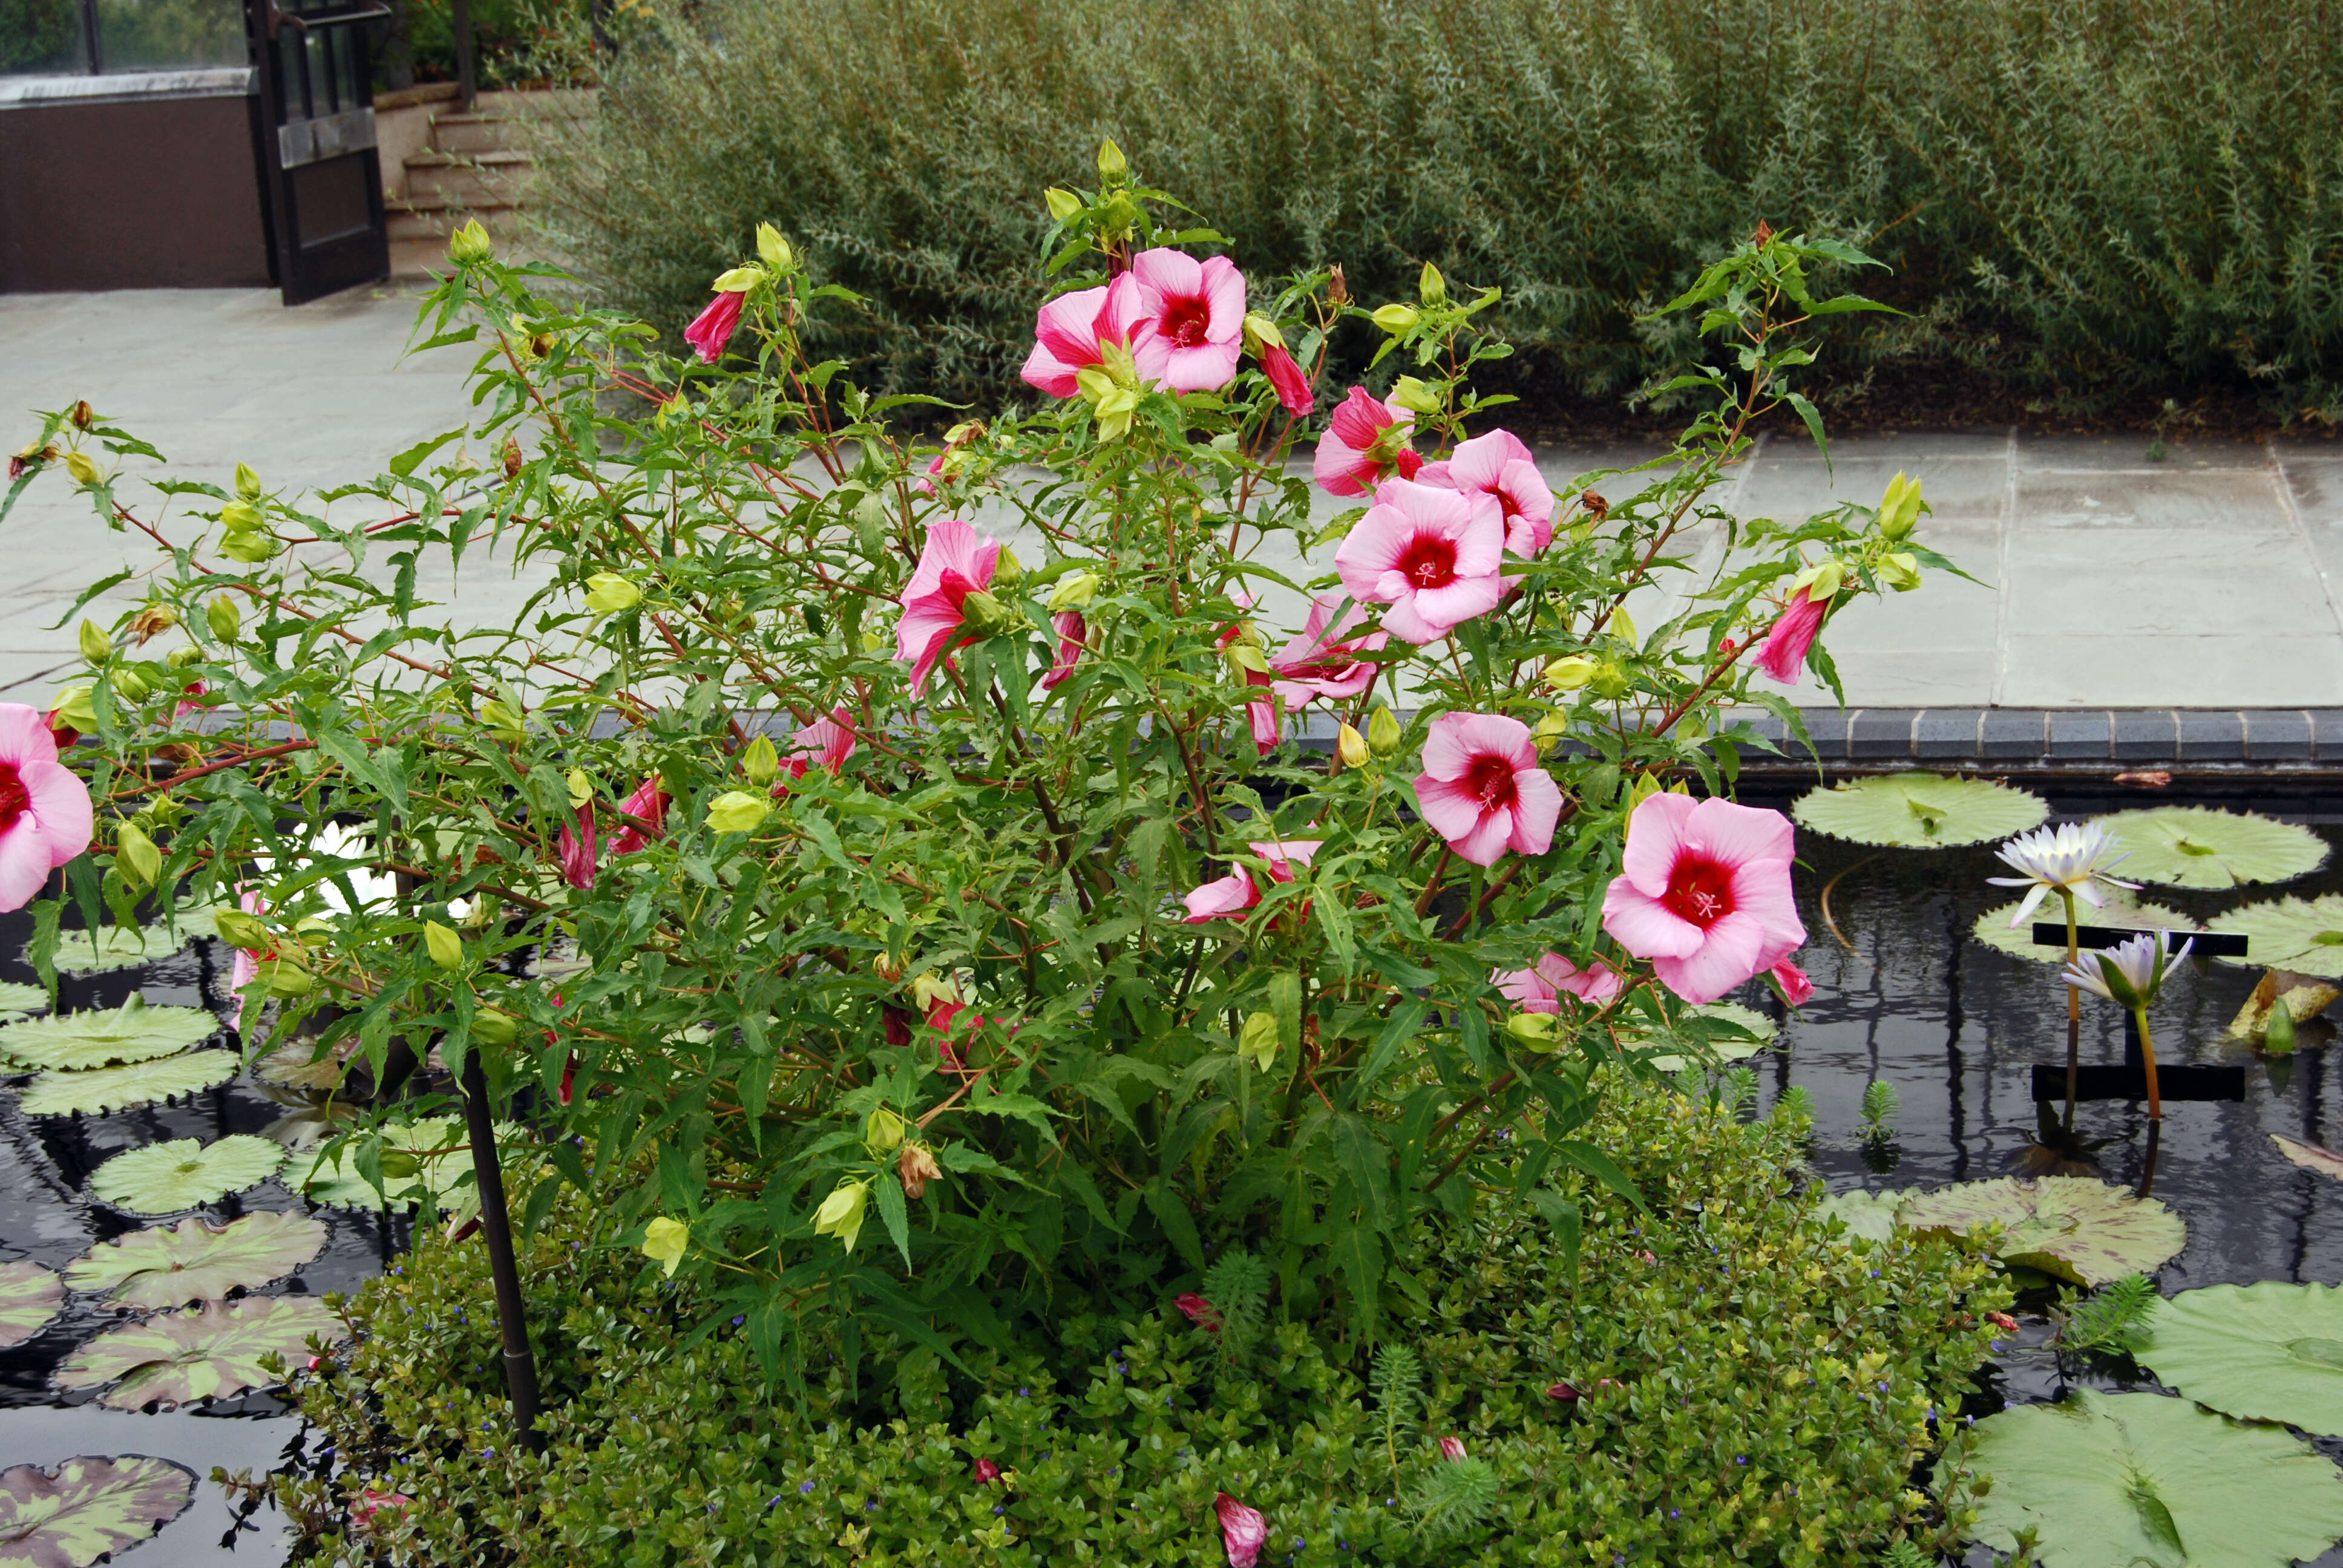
<point x="472" y="134"/>
<point x="481" y="179"/>
<point x="434" y="218"/>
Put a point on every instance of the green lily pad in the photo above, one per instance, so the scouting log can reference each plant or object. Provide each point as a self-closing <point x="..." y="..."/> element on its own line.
<point x="170" y="1265"/>
<point x="2269" y="1351"/>
<point x="1870" y="1215"/>
<point x="1758" y="1028"/>
<point x="131" y="1032"/>
<point x="431" y="1156"/>
<point x="1919" y="810"/>
<point x="2302" y="935"/>
<point x="2200" y="847"/>
<point x="114" y="948"/>
<point x="112" y="1087"/>
<point x="214" y="1351"/>
<point x="86" y="1508"/>
<point x="165" y="1178"/>
<point x="2122" y="912"/>
<point x="2126" y="1480"/>
<point x="18" y="999"/>
<point x="30" y="1296"/>
<point x="2080" y="1229"/>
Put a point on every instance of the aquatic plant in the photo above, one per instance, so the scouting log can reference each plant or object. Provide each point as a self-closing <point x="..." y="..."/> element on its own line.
<point x="214" y="1351"/>
<point x="181" y="1173"/>
<point x="2109" y="1320"/>
<point x="30" y="1296"/>
<point x="170" y="1265"/>
<point x="132" y="1032"/>
<point x="1879" y="1106"/>
<point x="2073" y="1228"/>
<point x="2132" y="975"/>
<point x="91" y="1090"/>
<point x="1919" y="810"/>
<point x="2203" y="847"/>
<point x="84" y="1508"/>
<point x="2265" y="1351"/>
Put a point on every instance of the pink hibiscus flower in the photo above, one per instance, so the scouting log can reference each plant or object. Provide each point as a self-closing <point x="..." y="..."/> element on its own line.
<point x="712" y="328"/>
<point x="1365" y="440"/>
<point x="1704" y="894"/>
<point x="1235" y="893"/>
<point x="1435" y="556"/>
<point x="648" y="802"/>
<point x="1243" y="1532"/>
<point x="1196" y="311"/>
<point x="1540" y="988"/>
<point x="1073" y="633"/>
<point x="1482" y="790"/>
<point x="1499" y="466"/>
<point x="955" y="563"/>
<point x="1785" y="653"/>
<point x="1285" y="374"/>
<point x="1795" y="988"/>
<point x="575" y="851"/>
<point x="1323" y="661"/>
<point x="826" y="744"/>
<point x="46" y="818"/>
<point x="246" y="968"/>
<point x="1069" y="333"/>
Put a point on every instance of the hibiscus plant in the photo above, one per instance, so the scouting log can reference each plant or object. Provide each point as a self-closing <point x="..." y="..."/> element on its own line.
<point x="936" y="882"/>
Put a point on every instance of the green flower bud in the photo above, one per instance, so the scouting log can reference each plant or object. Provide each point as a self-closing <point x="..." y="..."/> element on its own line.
<point x="1429" y="286"/>
<point x="1063" y="204"/>
<point x="1352" y="747"/>
<point x="136" y="856"/>
<point x="1409" y="393"/>
<point x="502" y="722"/>
<point x="1258" y="1043"/>
<point x="241" y="517"/>
<point x="1610" y="682"/>
<point x="225" y="619"/>
<point x="1112" y="167"/>
<point x="841" y="1214"/>
<point x="1006" y="570"/>
<point x="759" y="761"/>
<point x="182" y="656"/>
<point x="287" y="975"/>
<point x="883" y="1131"/>
<point x="1383" y="732"/>
<point x="471" y="244"/>
<point x="735" y="811"/>
<point x="1535" y="1029"/>
<point x="772" y="249"/>
<point x="445" y="947"/>
<point x="247" y="483"/>
<point x="1571" y="673"/>
<point x="1395" y="318"/>
<point x="242" y="930"/>
<point x="2277" y="1030"/>
<point x="1900" y="571"/>
<point x="130" y="686"/>
<point x="607" y="593"/>
<point x="1074" y="591"/>
<point x="1899" y="509"/>
<point x="249" y="549"/>
<point x="987" y="616"/>
<point x="96" y="647"/>
<point x="82" y="466"/>
<point x="490" y="1026"/>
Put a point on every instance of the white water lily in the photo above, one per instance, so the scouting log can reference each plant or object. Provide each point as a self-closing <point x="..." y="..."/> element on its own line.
<point x="2070" y="859"/>
<point x="2130" y="973"/>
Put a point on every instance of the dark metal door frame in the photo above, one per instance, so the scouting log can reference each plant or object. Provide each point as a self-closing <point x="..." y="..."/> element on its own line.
<point x="314" y="141"/>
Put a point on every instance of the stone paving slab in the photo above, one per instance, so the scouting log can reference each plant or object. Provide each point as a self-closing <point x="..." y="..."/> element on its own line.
<point x="2207" y="580"/>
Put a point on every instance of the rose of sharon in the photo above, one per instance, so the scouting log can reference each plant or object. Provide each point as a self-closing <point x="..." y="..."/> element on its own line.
<point x="1482" y="790"/>
<point x="1541" y="989"/>
<point x="1235" y="893"/>
<point x="1704" y="894"/>
<point x="955" y="563"/>
<point x="44" y="812"/>
<point x="1071" y="331"/>
<point x="1072" y="631"/>
<point x="1365" y="439"/>
<point x="1195" y="310"/>
<point x="1435" y="556"/>
<point x="1499" y="466"/>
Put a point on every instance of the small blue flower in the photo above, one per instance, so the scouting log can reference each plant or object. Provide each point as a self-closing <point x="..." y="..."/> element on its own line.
<point x="739" y="1318"/>
<point x="870" y="1505"/>
<point x="807" y="1487"/>
<point x="1740" y="1459"/>
<point x="1022" y="1392"/>
<point x="1675" y="1513"/>
<point x="774" y="1500"/>
<point x="996" y="1509"/>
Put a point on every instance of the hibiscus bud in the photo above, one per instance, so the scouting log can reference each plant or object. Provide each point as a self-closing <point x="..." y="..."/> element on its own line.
<point x="759" y="761"/>
<point x="492" y="1027"/>
<point x="288" y="973"/>
<point x="883" y="1131"/>
<point x="1899" y="509"/>
<point x="1074" y="591"/>
<point x="1006" y="570"/>
<point x="1570" y="673"/>
<point x="607" y="593"/>
<point x="82" y="415"/>
<point x="737" y="812"/>
<point x="81" y="467"/>
<point x="664" y="1241"/>
<point x="1351" y="747"/>
<point x="1383" y="732"/>
<point x="987" y="616"/>
<point x="739" y="280"/>
<point x="129" y="686"/>
<point x="581" y="787"/>
<point x="1429" y="286"/>
<point x="136" y="856"/>
<point x="247" y="483"/>
<point x="1535" y="1031"/>
<point x="1260" y="331"/>
<point x="241" y="517"/>
<point x="772" y="249"/>
<point x="96" y="646"/>
<point x="241" y="930"/>
<point x="182" y="656"/>
<point x="1395" y="318"/>
<point x="1900" y="571"/>
<point x="1452" y="1449"/>
<point x="445" y="947"/>
<point x="1063" y="204"/>
<point x="1112" y="167"/>
<point x="1258" y="1043"/>
<point x="225" y="619"/>
<point x="1409" y="393"/>
<point x="841" y="1214"/>
<point x="502" y="722"/>
<point x="916" y="1168"/>
<point x="249" y="549"/>
<point x="471" y="244"/>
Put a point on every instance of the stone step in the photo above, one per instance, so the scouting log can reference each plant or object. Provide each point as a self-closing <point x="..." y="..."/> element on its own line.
<point x="472" y="134"/>
<point x="481" y="179"/>
<point x="434" y="218"/>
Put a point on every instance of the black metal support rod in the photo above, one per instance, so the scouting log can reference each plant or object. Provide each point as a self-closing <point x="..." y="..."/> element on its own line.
<point x="467" y="84"/>
<point x="495" y="1230"/>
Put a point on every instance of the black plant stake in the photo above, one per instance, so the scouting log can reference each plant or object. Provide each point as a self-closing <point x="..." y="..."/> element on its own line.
<point x="496" y="1229"/>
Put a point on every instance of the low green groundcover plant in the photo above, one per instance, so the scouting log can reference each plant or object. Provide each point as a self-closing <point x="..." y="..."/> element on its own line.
<point x="1729" y="1380"/>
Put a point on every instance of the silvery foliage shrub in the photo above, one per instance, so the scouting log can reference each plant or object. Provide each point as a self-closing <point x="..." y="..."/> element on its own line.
<point x="756" y="996"/>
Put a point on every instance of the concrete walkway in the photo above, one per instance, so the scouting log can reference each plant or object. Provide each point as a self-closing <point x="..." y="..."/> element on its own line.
<point x="2208" y="579"/>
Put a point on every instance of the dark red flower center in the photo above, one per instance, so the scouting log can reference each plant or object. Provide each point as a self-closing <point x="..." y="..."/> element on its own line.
<point x="1699" y="892"/>
<point x="13" y="797"/>
<point x="1429" y="562"/>
<point x="1187" y="321"/>
<point x="1491" y="780"/>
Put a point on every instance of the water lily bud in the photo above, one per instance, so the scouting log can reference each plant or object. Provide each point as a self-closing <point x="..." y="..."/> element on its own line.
<point x="1383" y="732"/>
<point x="1006" y="570"/>
<point x="1429" y="286"/>
<point x="841" y="1214"/>
<point x="95" y="645"/>
<point x="1074" y="591"/>
<point x="136" y="856"/>
<point x="490" y="1026"/>
<point x="241" y="517"/>
<point x="916" y="1168"/>
<point x="1258" y="1043"/>
<point x="1112" y="167"/>
<point x="735" y="811"/>
<point x="2277" y="1030"/>
<point x="760" y="762"/>
<point x="445" y="947"/>
<point x="1899" y="509"/>
<point x="1534" y="1029"/>
<point x="1395" y="318"/>
<point x="225" y="619"/>
<point x="1351" y="747"/>
<point x="80" y="466"/>
<point x="502" y="722"/>
<point x="1570" y="673"/>
<point x="607" y="593"/>
<point x="581" y="787"/>
<point x="82" y="415"/>
<point x="471" y="244"/>
<point x="664" y="1241"/>
<point x="739" y="280"/>
<point x="772" y="249"/>
<point x="1063" y="204"/>
<point x="884" y="1132"/>
<point x="249" y="549"/>
<point x="1901" y="572"/>
<point x="1260" y="331"/>
<point x="1409" y="393"/>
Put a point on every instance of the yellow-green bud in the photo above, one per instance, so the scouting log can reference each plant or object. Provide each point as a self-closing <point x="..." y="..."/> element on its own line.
<point x="184" y="656"/>
<point x="1901" y="572"/>
<point x="1260" y="331"/>
<point x="772" y="249"/>
<point x="987" y="616"/>
<point x="1395" y="318"/>
<point x="1063" y="204"/>
<point x="1429" y="286"/>
<point x="225" y="619"/>
<point x="1112" y="167"/>
<point x="1622" y="627"/>
<point x="737" y="811"/>
<point x="1899" y="509"/>
<point x="1571" y="672"/>
<point x="739" y="280"/>
<point x="581" y="787"/>
<point x="664" y="1241"/>
<point x="247" y="483"/>
<point x="1409" y="393"/>
<point x="74" y="705"/>
<point x="1074" y="591"/>
<point x="249" y="549"/>
<point x="2277" y="1029"/>
<point x="1352" y="747"/>
<point x="445" y="947"/>
<point x="502" y="722"/>
<point x="1534" y="1029"/>
<point x="241" y="517"/>
<point x="761" y="762"/>
<point x="607" y="593"/>
<point x="490" y="1026"/>
<point x="95" y="645"/>
<point x="883" y="1131"/>
<point x="1550" y="729"/>
<point x="1257" y="1043"/>
<point x="82" y="466"/>
<point x="1006" y="570"/>
<point x="1610" y="680"/>
<point x="241" y="930"/>
<point x="471" y="244"/>
<point x="130" y="686"/>
<point x="287" y="975"/>
<point x="841" y="1214"/>
<point x="136" y="857"/>
<point x="1383" y="732"/>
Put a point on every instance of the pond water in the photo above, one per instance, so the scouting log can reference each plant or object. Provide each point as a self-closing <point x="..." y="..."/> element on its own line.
<point x="1907" y="998"/>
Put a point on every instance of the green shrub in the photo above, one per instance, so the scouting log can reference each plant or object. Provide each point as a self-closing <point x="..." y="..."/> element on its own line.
<point x="1750" y="1391"/>
<point x="2079" y="200"/>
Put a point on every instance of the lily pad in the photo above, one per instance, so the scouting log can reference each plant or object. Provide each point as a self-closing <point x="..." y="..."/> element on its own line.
<point x="2081" y="1230"/>
<point x="1919" y="810"/>
<point x="1758" y="1028"/>
<point x="214" y="1351"/>
<point x="169" y="1265"/>
<point x="2269" y="1351"/>
<point x="296" y="1065"/>
<point x="2122" y="912"/>
<point x="30" y="1296"/>
<point x="2120" y="1481"/>
<point x="165" y="1178"/>
<point x="86" y="1508"/>
<point x="112" y="1087"/>
<point x="2305" y="935"/>
<point x="2200" y="847"/>
<point x="16" y="1000"/>
<point x="131" y="1032"/>
<point x="2310" y="1156"/>
<point x="114" y="947"/>
<point x="1870" y="1215"/>
<point x="431" y="1156"/>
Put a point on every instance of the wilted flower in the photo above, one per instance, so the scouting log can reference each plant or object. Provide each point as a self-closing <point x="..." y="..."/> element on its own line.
<point x="2070" y="859"/>
<point x="1540" y="988"/>
<point x="1791" y="635"/>
<point x="1199" y="1311"/>
<point x="1434" y="555"/>
<point x="1482" y="790"/>
<point x="916" y="1167"/>
<point x="1235" y="893"/>
<point x="1365" y="440"/>
<point x="1072" y="630"/>
<point x="2131" y="973"/>
<point x="1286" y="376"/>
<point x="1704" y="894"/>
<point x="1243" y="1532"/>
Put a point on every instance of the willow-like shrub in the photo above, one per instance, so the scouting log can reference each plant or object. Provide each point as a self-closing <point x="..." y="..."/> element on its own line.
<point x="1037" y="958"/>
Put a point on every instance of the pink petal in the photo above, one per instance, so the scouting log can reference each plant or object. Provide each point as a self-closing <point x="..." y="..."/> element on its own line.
<point x="58" y="801"/>
<point x="25" y="735"/>
<point x="1372" y="548"/>
<point x="1730" y="955"/>
<point x="1067" y="329"/>
<point x="1046" y="371"/>
<point x="1263" y="715"/>
<point x="1427" y="616"/>
<point x="1231" y="894"/>
<point x="1224" y="289"/>
<point x="1734" y="835"/>
<point x="1656" y="831"/>
<point x="24" y="864"/>
<point x="1537" y="807"/>
<point x="1284" y="854"/>
<point x="1170" y="273"/>
<point x="1485" y="844"/>
<point x="1643" y="926"/>
<point x="1449" y="808"/>
<point x="1493" y="735"/>
<point x="1207" y="367"/>
<point x="1530" y="988"/>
